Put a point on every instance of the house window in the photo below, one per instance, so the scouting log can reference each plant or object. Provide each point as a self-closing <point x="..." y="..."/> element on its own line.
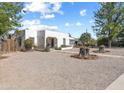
<point x="64" y="41"/>
<point x="72" y="42"/>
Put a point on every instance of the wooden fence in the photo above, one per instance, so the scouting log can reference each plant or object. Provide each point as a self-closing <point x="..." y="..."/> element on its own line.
<point x="9" y="45"/>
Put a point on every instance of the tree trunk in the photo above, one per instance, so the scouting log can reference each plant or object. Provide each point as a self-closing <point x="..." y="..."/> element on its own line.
<point x="84" y="52"/>
<point x="109" y="43"/>
<point x="109" y="38"/>
<point x="102" y="49"/>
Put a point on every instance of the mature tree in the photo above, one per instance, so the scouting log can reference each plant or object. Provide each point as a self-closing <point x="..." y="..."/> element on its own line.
<point x="10" y="15"/>
<point x="102" y="41"/>
<point x="120" y="39"/>
<point x="108" y="20"/>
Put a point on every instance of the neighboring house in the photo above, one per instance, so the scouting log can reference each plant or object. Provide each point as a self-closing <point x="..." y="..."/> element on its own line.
<point x="52" y="38"/>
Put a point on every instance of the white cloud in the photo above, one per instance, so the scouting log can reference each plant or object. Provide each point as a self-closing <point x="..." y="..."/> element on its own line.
<point x="83" y="12"/>
<point x="41" y="27"/>
<point x="67" y="24"/>
<point x="35" y="25"/>
<point x="91" y="21"/>
<point x="36" y="7"/>
<point x="78" y="24"/>
<point x="31" y="22"/>
<point x="46" y="27"/>
<point x="45" y="8"/>
<point x="48" y="16"/>
<point x="56" y="6"/>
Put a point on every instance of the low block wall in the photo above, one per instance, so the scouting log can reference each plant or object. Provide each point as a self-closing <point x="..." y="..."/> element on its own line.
<point x="66" y="48"/>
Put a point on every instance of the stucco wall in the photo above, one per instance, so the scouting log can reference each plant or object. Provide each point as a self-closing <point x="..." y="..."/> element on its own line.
<point x="41" y="39"/>
<point x="30" y="33"/>
<point x="59" y="36"/>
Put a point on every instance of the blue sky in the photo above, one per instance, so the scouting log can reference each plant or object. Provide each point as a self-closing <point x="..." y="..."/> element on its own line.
<point x="73" y="18"/>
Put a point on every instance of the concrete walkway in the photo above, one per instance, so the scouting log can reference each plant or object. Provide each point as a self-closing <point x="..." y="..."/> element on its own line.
<point x="118" y="84"/>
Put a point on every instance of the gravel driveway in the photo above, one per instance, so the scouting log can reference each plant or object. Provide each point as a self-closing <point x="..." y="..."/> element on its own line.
<point x="52" y="70"/>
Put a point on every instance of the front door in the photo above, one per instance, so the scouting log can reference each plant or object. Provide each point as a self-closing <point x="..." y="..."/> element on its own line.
<point x="64" y="41"/>
<point x="52" y="42"/>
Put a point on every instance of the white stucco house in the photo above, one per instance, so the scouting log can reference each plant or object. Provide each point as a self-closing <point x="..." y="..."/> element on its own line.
<point x="42" y="38"/>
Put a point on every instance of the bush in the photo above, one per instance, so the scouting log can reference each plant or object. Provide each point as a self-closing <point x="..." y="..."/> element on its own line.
<point x="102" y="41"/>
<point x="58" y="48"/>
<point x="34" y="46"/>
<point x="47" y="49"/>
<point x="65" y="46"/>
<point x="28" y="43"/>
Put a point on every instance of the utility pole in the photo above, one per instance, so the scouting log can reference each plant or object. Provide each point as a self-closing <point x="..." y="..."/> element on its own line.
<point x="86" y="30"/>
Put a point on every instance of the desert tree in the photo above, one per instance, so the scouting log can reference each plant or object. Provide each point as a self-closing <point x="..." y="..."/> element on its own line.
<point x="108" y="20"/>
<point x="85" y="38"/>
<point x="10" y="15"/>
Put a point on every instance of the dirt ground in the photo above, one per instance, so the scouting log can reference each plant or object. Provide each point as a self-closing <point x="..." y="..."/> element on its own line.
<point x="56" y="70"/>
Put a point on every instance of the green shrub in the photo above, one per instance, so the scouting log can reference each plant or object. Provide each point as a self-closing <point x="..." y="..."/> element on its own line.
<point x="35" y="46"/>
<point x="47" y="49"/>
<point x="58" y="48"/>
<point x="28" y="43"/>
<point x="65" y="46"/>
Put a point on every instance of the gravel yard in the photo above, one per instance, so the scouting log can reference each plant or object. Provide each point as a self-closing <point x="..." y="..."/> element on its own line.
<point x="53" y="70"/>
<point x="113" y="51"/>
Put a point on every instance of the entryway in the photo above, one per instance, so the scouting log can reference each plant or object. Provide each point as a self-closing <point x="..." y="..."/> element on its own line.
<point x="51" y="42"/>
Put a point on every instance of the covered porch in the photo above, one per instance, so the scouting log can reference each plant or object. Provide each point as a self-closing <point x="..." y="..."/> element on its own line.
<point x="51" y="42"/>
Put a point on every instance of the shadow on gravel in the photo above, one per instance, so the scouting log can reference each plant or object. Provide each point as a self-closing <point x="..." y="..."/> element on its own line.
<point x="3" y="57"/>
